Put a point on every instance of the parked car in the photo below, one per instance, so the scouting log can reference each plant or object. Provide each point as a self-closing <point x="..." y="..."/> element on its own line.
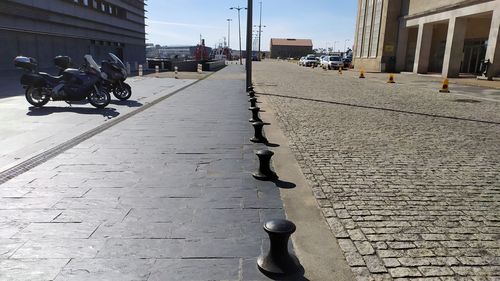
<point x="301" y="61"/>
<point x="332" y="62"/>
<point x="310" y="61"/>
<point x="347" y="62"/>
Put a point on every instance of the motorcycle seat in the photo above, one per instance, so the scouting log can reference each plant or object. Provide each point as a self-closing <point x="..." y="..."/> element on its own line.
<point x="50" y="78"/>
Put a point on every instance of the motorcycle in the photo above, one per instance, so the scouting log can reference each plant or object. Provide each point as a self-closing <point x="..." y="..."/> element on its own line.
<point x="71" y="85"/>
<point x="116" y="73"/>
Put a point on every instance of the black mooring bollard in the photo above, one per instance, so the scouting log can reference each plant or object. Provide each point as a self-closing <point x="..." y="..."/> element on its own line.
<point x="255" y="114"/>
<point x="258" y="137"/>
<point x="251" y="94"/>
<point x="253" y="102"/>
<point x="264" y="172"/>
<point x="278" y="261"/>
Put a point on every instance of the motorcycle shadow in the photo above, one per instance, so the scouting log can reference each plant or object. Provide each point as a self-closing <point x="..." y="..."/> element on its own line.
<point x="47" y="110"/>
<point x="129" y="103"/>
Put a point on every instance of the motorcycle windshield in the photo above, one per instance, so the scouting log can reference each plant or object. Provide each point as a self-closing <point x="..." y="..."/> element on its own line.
<point x="117" y="61"/>
<point x="91" y="63"/>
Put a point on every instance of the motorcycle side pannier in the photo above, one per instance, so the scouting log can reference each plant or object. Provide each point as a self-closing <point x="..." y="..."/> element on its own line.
<point x="62" y="62"/>
<point x="25" y="63"/>
<point x="32" y="79"/>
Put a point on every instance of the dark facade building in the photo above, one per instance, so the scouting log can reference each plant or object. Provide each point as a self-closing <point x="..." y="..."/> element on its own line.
<point x="290" y="48"/>
<point x="44" y="29"/>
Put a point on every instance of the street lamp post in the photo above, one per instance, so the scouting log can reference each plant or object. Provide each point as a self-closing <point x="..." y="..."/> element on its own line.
<point x="249" y="43"/>
<point x="260" y="26"/>
<point x="239" y="27"/>
<point x="334" y="43"/>
<point x="229" y="33"/>
<point x="345" y="44"/>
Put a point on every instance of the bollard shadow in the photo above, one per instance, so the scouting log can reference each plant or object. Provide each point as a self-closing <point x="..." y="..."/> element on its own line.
<point x="270" y="144"/>
<point x="284" y="184"/>
<point x="128" y="103"/>
<point x="43" y="111"/>
<point x="298" y="276"/>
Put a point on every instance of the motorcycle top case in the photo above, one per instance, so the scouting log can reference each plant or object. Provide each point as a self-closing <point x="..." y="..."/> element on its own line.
<point x="62" y="62"/>
<point x="25" y="63"/>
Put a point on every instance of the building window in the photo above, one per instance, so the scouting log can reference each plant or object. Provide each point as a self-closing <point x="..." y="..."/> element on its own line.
<point x="94" y="4"/>
<point x="361" y="26"/>
<point x="377" y="15"/>
<point x="86" y="2"/>
<point x="368" y="29"/>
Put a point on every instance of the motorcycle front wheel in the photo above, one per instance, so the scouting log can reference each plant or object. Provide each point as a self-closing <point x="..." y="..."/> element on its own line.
<point x="99" y="97"/>
<point x="36" y="96"/>
<point x="122" y="91"/>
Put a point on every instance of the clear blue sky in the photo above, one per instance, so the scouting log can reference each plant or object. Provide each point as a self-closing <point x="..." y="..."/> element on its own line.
<point x="180" y="22"/>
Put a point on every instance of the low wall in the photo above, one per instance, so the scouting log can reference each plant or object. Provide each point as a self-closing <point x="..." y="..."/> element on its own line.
<point x="214" y="65"/>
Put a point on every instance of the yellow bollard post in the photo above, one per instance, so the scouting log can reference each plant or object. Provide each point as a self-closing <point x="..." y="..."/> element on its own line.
<point x="176" y="72"/>
<point x="361" y="73"/>
<point x="340" y="70"/>
<point x="391" y="78"/>
<point x="444" y="87"/>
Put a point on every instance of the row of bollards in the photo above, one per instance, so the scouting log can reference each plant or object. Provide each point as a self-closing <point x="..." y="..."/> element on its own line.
<point x="444" y="86"/>
<point x="278" y="261"/>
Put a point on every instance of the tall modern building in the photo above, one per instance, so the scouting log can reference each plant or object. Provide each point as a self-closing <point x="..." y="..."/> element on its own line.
<point x="449" y="37"/>
<point x="44" y="29"/>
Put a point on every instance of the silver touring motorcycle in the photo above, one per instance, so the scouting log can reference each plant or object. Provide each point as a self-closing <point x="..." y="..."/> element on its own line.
<point x="71" y="85"/>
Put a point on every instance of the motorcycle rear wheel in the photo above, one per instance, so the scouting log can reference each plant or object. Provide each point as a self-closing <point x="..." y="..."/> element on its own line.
<point x="99" y="97"/>
<point x="122" y="93"/>
<point x="36" y="97"/>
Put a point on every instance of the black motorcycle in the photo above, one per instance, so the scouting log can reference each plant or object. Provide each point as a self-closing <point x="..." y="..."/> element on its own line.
<point x="71" y="85"/>
<point x="115" y="75"/>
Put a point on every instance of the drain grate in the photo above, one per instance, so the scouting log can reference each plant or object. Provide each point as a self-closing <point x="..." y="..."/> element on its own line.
<point x="34" y="161"/>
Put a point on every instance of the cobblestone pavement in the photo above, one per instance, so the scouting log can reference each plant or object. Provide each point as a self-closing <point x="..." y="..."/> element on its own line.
<point x="407" y="178"/>
<point x="166" y="194"/>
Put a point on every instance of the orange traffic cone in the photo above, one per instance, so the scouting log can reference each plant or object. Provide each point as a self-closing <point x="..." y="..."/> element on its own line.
<point x="444" y="88"/>
<point x="391" y="78"/>
<point x="361" y="73"/>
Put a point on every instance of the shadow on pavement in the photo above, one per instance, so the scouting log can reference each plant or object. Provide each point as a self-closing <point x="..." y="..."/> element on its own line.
<point x="42" y="111"/>
<point x="384" y="109"/>
<point x="284" y="184"/>
<point x="129" y="103"/>
<point x="299" y="276"/>
<point x="270" y="144"/>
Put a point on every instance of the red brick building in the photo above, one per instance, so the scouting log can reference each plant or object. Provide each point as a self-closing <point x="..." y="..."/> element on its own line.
<point x="290" y="48"/>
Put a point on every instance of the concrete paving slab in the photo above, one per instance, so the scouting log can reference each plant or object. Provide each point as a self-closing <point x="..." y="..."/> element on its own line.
<point x="27" y="131"/>
<point x="165" y="191"/>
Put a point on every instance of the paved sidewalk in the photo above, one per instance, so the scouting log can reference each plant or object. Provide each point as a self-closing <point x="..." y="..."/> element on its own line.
<point x="164" y="195"/>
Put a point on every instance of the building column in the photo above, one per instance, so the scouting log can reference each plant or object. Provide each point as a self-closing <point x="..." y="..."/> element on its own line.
<point x="402" y="47"/>
<point x="423" y="49"/>
<point x="454" y="49"/>
<point x="493" y="50"/>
